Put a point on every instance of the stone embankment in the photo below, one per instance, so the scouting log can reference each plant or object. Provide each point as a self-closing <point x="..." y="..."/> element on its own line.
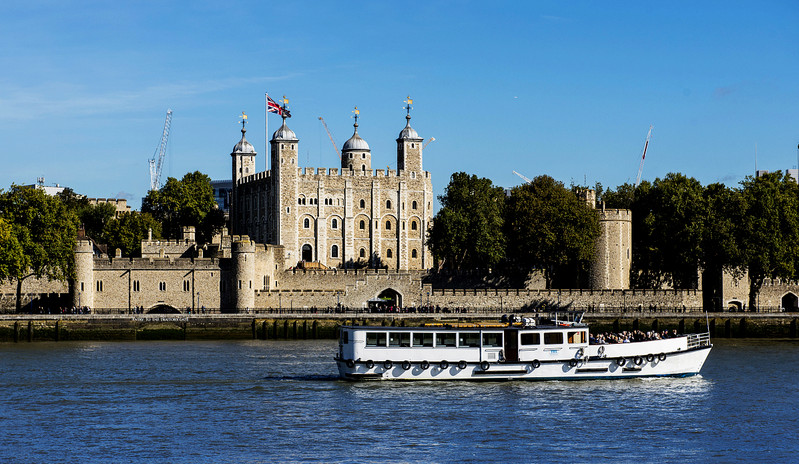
<point x="28" y="328"/>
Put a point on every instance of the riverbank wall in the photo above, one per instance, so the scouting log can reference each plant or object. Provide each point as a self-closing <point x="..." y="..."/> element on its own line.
<point x="33" y="328"/>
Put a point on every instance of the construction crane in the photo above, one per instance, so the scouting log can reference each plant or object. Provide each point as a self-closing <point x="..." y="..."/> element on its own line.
<point x="157" y="161"/>
<point x="643" y="156"/>
<point x="431" y="139"/>
<point x="526" y="180"/>
<point x="331" y="138"/>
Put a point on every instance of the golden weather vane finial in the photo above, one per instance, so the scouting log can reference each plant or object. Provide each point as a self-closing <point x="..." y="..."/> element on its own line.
<point x="408" y="103"/>
<point x="243" y="118"/>
<point x="357" y="112"/>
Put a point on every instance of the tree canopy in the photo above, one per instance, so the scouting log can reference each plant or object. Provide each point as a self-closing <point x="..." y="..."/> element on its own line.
<point x="44" y="230"/>
<point x="550" y="228"/>
<point x="186" y="202"/>
<point x="467" y="231"/>
<point x="128" y="230"/>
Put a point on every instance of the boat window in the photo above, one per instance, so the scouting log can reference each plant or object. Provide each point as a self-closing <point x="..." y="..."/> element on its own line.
<point x="531" y="338"/>
<point x="445" y="339"/>
<point x="423" y="339"/>
<point x="492" y="339"/>
<point x="399" y="339"/>
<point x="553" y="338"/>
<point x="375" y="339"/>
<point x="577" y="337"/>
<point x="469" y="339"/>
<point x="345" y="337"/>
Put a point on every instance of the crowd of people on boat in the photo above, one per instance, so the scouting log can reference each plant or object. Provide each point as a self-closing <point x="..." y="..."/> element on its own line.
<point x="609" y="338"/>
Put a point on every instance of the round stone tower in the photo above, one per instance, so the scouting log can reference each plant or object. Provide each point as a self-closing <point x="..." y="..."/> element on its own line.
<point x="613" y="257"/>
<point x="355" y="154"/>
<point x="243" y="156"/>
<point x="243" y="251"/>
<point x="84" y="274"/>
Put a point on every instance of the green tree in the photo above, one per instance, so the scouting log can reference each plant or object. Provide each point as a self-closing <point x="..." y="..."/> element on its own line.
<point x="770" y="230"/>
<point x="550" y="228"/>
<point x="128" y="230"/>
<point x="45" y="231"/>
<point x="12" y="262"/>
<point x="185" y="202"/>
<point x="467" y="231"/>
<point x="95" y="218"/>
<point x="720" y="246"/>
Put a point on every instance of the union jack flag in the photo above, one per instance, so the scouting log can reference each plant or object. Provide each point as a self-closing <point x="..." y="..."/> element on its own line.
<point x="273" y="107"/>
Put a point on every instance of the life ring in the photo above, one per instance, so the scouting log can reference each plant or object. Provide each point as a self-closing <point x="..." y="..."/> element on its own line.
<point x="536" y="364"/>
<point x="443" y="365"/>
<point x="424" y="365"/>
<point x="601" y="351"/>
<point x="662" y="357"/>
<point x="350" y="363"/>
<point x="462" y="364"/>
<point x="638" y="360"/>
<point x="572" y="363"/>
<point x="484" y="365"/>
<point x="650" y="357"/>
<point x="620" y="361"/>
<point x="388" y="364"/>
<point x="406" y="365"/>
<point x="579" y="353"/>
<point x="370" y="364"/>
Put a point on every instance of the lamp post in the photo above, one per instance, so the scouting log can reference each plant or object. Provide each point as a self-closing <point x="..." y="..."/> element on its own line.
<point x="198" y="301"/>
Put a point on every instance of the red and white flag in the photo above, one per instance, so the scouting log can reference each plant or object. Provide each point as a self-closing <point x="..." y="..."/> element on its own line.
<point x="273" y="107"/>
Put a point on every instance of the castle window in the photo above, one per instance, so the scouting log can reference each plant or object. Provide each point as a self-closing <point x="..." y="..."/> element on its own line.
<point x="363" y="168"/>
<point x="388" y="204"/>
<point x="99" y="285"/>
<point x="413" y="253"/>
<point x="413" y="205"/>
<point x="363" y="204"/>
<point x="363" y="155"/>
<point x="412" y="146"/>
<point x="299" y="201"/>
<point x="136" y="286"/>
<point x="362" y="253"/>
<point x="350" y="155"/>
<point x="388" y="225"/>
<point x="363" y="225"/>
<point x="334" y="251"/>
<point x="162" y="286"/>
<point x="413" y="225"/>
<point x="186" y="285"/>
<point x="81" y="287"/>
<point x="306" y="223"/>
<point x="288" y="209"/>
<point x="334" y="223"/>
<point x="389" y="254"/>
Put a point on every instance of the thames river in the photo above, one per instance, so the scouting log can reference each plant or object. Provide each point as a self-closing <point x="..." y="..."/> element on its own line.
<point x="267" y="401"/>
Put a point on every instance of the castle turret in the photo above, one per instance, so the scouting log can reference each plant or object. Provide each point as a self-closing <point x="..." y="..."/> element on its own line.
<point x="284" y="221"/>
<point x="612" y="260"/>
<point x="84" y="274"/>
<point x="243" y="251"/>
<point x="409" y="145"/>
<point x="243" y="155"/>
<point x="355" y="154"/>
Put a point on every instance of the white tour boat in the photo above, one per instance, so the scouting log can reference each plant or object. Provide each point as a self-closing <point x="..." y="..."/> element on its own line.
<point x="535" y="349"/>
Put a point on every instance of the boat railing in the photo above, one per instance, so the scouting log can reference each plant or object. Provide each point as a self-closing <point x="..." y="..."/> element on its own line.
<point x="698" y="340"/>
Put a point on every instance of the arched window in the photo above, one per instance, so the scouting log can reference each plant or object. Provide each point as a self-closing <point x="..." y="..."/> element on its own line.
<point x="306" y="223"/>
<point x="334" y="251"/>
<point x="413" y="253"/>
<point x="363" y="225"/>
<point x="334" y="223"/>
<point x="363" y="204"/>
<point x="389" y="253"/>
<point x="363" y="168"/>
<point x="362" y="253"/>
<point x="413" y="225"/>
<point x="363" y="155"/>
<point x="388" y="225"/>
<point x="413" y="205"/>
<point x="388" y="204"/>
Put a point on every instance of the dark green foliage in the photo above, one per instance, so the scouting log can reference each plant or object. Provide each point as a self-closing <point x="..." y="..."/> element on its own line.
<point x="467" y="231"/>
<point x="128" y="230"/>
<point x="186" y="202"/>
<point x="550" y="228"/>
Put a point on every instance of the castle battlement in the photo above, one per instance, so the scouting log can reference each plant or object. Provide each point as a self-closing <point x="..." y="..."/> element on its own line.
<point x="613" y="214"/>
<point x="316" y="173"/>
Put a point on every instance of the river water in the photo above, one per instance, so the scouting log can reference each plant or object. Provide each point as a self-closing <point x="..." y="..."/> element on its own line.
<point x="267" y="401"/>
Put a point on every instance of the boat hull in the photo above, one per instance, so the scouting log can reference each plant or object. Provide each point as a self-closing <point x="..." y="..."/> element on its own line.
<point x="666" y="364"/>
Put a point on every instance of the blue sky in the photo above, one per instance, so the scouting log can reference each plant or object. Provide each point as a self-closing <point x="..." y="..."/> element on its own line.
<point x="562" y="88"/>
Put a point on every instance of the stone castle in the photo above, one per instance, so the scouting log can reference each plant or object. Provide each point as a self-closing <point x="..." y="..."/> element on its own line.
<point x="304" y="237"/>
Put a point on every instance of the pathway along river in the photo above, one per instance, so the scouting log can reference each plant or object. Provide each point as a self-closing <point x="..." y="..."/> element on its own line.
<point x="267" y="401"/>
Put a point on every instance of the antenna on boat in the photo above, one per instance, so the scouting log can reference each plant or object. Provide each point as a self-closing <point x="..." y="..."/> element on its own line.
<point x="707" y="323"/>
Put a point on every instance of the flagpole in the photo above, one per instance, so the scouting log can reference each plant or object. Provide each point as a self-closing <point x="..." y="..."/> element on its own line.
<point x="266" y="131"/>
